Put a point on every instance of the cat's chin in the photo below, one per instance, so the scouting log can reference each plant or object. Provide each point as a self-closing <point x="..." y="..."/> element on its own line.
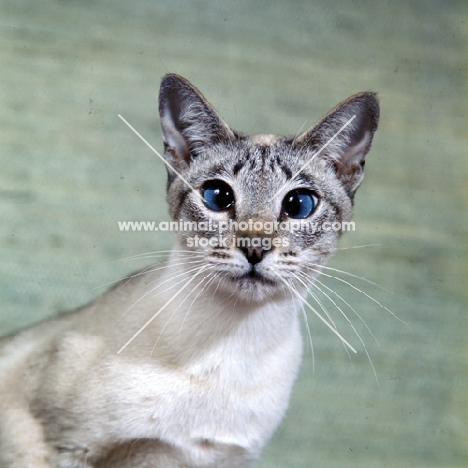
<point x="253" y="276"/>
<point x="253" y="287"/>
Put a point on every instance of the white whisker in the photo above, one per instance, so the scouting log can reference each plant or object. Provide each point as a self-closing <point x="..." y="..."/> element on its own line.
<point x="357" y="247"/>
<point x="148" y="269"/>
<point x="353" y="328"/>
<point x="346" y="303"/>
<point x="182" y="275"/>
<point x="155" y="254"/>
<point x="362" y="278"/>
<point x="315" y="297"/>
<point x="319" y="302"/>
<point x="213" y="276"/>
<point x="160" y="310"/>
<point x="159" y="284"/>
<point x="318" y="315"/>
<point x="297" y="134"/>
<point x="362" y="292"/>
<point x="177" y="308"/>
<point x="306" y="321"/>
<point x="170" y="264"/>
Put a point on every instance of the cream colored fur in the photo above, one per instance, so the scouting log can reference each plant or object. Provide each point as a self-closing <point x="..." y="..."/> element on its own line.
<point x="211" y="392"/>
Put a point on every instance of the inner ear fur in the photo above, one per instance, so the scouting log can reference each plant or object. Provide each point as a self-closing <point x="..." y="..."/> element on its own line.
<point x="188" y="120"/>
<point x="347" y="151"/>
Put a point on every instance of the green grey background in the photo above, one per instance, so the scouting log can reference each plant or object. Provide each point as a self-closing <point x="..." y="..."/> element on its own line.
<point x="70" y="170"/>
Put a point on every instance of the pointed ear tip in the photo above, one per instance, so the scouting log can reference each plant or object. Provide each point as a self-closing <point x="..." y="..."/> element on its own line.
<point x="171" y="84"/>
<point x="370" y="101"/>
<point x="370" y="98"/>
<point x="169" y="80"/>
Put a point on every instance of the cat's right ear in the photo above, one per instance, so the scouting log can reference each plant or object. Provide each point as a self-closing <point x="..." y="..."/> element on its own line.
<point x="188" y="121"/>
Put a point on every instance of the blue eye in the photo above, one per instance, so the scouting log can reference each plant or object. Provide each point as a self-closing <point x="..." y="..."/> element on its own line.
<point x="218" y="195"/>
<point x="299" y="204"/>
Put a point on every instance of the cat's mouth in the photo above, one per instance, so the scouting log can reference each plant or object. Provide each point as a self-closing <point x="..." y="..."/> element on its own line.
<point x="253" y="285"/>
<point x="253" y="275"/>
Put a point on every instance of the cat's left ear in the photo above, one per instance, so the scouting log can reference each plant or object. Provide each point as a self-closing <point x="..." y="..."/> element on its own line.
<point x="346" y="149"/>
<point x="188" y="121"/>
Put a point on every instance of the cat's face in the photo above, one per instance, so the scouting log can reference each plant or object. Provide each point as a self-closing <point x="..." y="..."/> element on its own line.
<point x="267" y="208"/>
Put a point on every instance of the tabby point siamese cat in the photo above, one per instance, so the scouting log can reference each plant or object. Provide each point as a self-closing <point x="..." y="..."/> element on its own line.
<point x="207" y="380"/>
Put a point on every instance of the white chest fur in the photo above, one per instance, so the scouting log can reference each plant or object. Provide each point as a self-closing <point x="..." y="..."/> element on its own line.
<point x="222" y="399"/>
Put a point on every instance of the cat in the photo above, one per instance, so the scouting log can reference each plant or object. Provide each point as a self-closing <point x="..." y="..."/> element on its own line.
<point x="190" y="363"/>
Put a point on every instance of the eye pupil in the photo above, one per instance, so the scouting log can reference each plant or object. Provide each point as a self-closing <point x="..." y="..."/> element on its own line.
<point x="299" y="204"/>
<point x="218" y="195"/>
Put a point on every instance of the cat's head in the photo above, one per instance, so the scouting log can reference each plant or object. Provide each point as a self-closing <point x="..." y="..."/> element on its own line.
<point x="267" y="207"/>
